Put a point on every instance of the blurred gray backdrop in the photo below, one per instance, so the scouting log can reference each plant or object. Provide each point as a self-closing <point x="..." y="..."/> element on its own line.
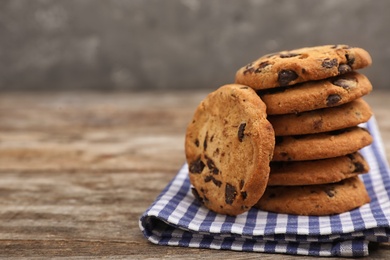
<point x="179" y="44"/>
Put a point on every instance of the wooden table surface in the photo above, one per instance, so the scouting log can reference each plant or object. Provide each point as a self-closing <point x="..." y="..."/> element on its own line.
<point x="78" y="169"/>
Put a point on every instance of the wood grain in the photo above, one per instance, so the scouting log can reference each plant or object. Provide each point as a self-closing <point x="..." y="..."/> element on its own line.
<point x="78" y="169"/>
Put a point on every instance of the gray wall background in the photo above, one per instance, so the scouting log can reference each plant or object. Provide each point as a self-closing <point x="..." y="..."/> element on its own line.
<point x="180" y="44"/>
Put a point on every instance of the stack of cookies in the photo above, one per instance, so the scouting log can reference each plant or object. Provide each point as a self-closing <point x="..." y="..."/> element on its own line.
<point x="314" y="103"/>
<point x="285" y="137"/>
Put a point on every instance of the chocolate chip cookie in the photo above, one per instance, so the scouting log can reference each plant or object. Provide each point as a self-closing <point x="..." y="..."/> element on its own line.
<point x="320" y="146"/>
<point x="317" y="171"/>
<point x="322" y="120"/>
<point x="306" y="64"/>
<point x="228" y="146"/>
<point x="316" y="94"/>
<point x="323" y="199"/>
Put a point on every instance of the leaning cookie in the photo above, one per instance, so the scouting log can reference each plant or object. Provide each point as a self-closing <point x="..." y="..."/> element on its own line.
<point x="322" y="120"/>
<point x="315" y="200"/>
<point x="322" y="145"/>
<point x="306" y="64"/>
<point x="316" y="94"/>
<point x="228" y="146"/>
<point x="317" y="171"/>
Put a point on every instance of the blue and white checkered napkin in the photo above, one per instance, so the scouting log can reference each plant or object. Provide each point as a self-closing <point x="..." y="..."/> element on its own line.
<point x="176" y="219"/>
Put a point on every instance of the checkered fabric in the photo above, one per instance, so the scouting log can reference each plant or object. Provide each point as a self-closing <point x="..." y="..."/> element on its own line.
<point x="175" y="218"/>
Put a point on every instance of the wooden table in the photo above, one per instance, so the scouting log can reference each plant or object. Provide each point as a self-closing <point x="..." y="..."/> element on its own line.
<point x="78" y="169"/>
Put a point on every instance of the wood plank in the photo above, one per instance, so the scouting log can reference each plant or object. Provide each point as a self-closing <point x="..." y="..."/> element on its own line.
<point x="139" y="250"/>
<point x="78" y="169"/>
<point x="379" y="102"/>
<point x="89" y="214"/>
<point x="67" y="131"/>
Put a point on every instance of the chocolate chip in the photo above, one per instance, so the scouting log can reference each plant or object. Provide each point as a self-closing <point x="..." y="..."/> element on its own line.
<point x="351" y="156"/>
<point x="328" y="63"/>
<point x="197" y="166"/>
<point x="211" y="165"/>
<point x="230" y="193"/>
<point x="212" y="138"/>
<point x="303" y="70"/>
<point x="359" y="167"/>
<point x="286" y="76"/>
<point x="261" y="66"/>
<point x="197" y="142"/>
<point x="264" y="64"/>
<point x="249" y="68"/>
<point x="332" y="100"/>
<point x="241" y="130"/>
<point x="217" y="182"/>
<point x="344" y="68"/>
<point x="205" y="141"/>
<point x="344" y="83"/>
<point x="288" y="55"/>
<point x="330" y="192"/>
<point x="243" y="193"/>
<point x="209" y="178"/>
<point x="350" y="59"/>
<point x="196" y="195"/>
